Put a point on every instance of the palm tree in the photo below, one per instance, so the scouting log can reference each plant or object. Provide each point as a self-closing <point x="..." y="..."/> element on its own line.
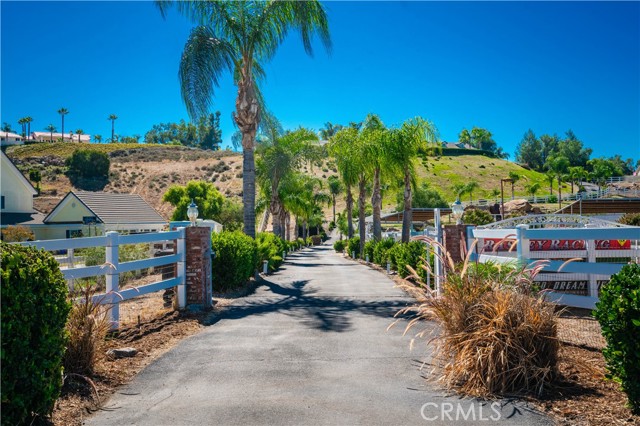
<point x="63" y="112"/>
<point x="494" y="193"/>
<point x="459" y="189"/>
<point x="113" y="119"/>
<point x="329" y="130"/>
<point x="22" y="122"/>
<point x="335" y="188"/>
<point x="6" y="128"/>
<point x="79" y="132"/>
<point x="51" y="128"/>
<point x="276" y="160"/>
<point x="532" y="189"/>
<point x="415" y="135"/>
<point x="576" y="174"/>
<point x="97" y="138"/>
<point x="341" y="147"/>
<point x="469" y="188"/>
<point x="550" y="178"/>
<point x="515" y="177"/>
<point x="558" y="166"/>
<point x="240" y="37"/>
<point x="374" y="144"/>
<point x="28" y="120"/>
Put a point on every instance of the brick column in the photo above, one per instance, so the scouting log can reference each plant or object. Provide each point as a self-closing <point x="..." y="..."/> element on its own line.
<point x="198" y="267"/>
<point x="453" y="235"/>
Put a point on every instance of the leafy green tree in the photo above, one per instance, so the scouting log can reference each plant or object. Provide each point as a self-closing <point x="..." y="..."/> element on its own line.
<point x="602" y="169"/>
<point x="529" y="151"/>
<point x="204" y="195"/>
<point x="414" y="136"/>
<point x="423" y="197"/>
<point x="626" y="166"/>
<point x="88" y="164"/>
<point x="36" y="177"/>
<point x="532" y="189"/>
<point x="113" y="119"/>
<point x="230" y="215"/>
<point x="549" y="147"/>
<point x="335" y="188"/>
<point x="573" y="150"/>
<point x="478" y="138"/>
<point x="62" y="112"/>
<point x="240" y="37"/>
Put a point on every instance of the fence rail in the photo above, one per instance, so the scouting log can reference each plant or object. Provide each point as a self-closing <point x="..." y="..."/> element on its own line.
<point x="112" y="268"/>
<point x="589" y="267"/>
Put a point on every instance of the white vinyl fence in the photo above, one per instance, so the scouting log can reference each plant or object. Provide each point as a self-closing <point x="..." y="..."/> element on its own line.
<point x="112" y="268"/>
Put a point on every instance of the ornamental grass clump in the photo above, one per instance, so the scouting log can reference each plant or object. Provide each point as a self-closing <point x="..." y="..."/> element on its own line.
<point x="497" y="336"/>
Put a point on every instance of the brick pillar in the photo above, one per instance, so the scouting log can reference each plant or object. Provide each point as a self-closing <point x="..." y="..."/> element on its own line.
<point x="198" y="267"/>
<point x="453" y="236"/>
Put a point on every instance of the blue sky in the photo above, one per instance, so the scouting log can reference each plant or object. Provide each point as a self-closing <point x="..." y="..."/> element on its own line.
<point x="504" y="66"/>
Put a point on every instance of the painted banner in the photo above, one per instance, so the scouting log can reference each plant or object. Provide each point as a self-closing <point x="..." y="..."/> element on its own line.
<point x="555" y="245"/>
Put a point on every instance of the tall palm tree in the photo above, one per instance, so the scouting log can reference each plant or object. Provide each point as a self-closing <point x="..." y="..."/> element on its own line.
<point x="63" y="112"/>
<point x="374" y="144"/>
<point x="341" y="147"/>
<point x="23" y="122"/>
<point x="28" y="120"/>
<point x="276" y="160"/>
<point x="335" y="188"/>
<point x="79" y="132"/>
<point x="113" y="119"/>
<point x="415" y="135"/>
<point x="51" y="128"/>
<point x="240" y="37"/>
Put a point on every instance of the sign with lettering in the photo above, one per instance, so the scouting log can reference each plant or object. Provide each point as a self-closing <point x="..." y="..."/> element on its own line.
<point x="579" y="287"/>
<point x="556" y="245"/>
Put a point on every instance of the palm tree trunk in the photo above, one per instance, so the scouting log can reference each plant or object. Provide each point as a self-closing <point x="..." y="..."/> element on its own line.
<point x="276" y="209"/>
<point x="362" y="226"/>
<point x="249" y="189"/>
<point x="334" y="208"/>
<point x="513" y="193"/>
<point x="288" y="226"/>
<point x="376" y="202"/>
<point x="62" y="128"/>
<point x="559" y="193"/>
<point x="407" y="216"/>
<point x="265" y="220"/>
<point x="349" y="212"/>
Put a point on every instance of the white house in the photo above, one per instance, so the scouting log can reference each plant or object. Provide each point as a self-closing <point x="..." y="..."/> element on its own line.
<point x="8" y="138"/>
<point x="54" y="137"/>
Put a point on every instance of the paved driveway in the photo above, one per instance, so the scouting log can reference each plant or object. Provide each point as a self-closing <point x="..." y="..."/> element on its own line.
<point x="310" y="347"/>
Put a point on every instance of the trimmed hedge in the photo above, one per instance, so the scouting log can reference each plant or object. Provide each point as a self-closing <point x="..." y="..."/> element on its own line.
<point x="339" y="245"/>
<point x="235" y="260"/>
<point x="34" y="314"/>
<point x="381" y="251"/>
<point x="270" y="248"/>
<point x="618" y="313"/>
<point x="353" y="245"/>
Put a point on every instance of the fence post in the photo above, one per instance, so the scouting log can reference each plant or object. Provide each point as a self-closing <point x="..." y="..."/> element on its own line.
<point x="523" y="244"/>
<point x="112" y="277"/>
<point x="437" y="260"/>
<point x="591" y="258"/>
<point x="181" y="266"/>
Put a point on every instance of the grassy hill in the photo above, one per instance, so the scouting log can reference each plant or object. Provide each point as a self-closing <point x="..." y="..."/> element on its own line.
<point x="149" y="170"/>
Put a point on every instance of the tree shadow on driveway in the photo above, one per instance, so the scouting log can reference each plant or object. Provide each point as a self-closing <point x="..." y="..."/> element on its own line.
<point x="329" y="314"/>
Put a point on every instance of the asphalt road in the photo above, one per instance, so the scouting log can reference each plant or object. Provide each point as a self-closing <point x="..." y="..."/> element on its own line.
<point x="310" y="347"/>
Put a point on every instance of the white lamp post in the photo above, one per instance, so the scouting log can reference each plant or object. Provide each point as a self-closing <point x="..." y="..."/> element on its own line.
<point x="192" y="213"/>
<point x="457" y="210"/>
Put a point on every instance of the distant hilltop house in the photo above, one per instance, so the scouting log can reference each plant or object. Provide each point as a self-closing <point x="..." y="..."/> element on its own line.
<point x="55" y="137"/>
<point x="78" y="214"/>
<point x="460" y="148"/>
<point x="8" y="138"/>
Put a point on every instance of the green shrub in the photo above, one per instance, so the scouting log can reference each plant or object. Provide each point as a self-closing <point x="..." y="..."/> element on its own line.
<point x="308" y="241"/>
<point x="88" y="164"/>
<point x="410" y="253"/>
<point x="618" y="313"/>
<point x="270" y="248"/>
<point x="235" y="260"/>
<point x="632" y="219"/>
<point x="381" y="251"/>
<point x="369" y="247"/>
<point x="353" y="245"/>
<point x="339" y="246"/>
<point x="477" y="217"/>
<point x="552" y="199"/>
<point x="34" y="313"/>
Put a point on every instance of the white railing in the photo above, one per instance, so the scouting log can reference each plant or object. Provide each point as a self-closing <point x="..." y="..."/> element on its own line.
<point x="112" y="268"/>
<point x="585" y="246"/>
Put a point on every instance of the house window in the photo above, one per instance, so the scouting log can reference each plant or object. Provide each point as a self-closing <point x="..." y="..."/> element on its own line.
<point x="88" y="220"/>
<point x="74" y="233"/>
<point x="2" y="202"/>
